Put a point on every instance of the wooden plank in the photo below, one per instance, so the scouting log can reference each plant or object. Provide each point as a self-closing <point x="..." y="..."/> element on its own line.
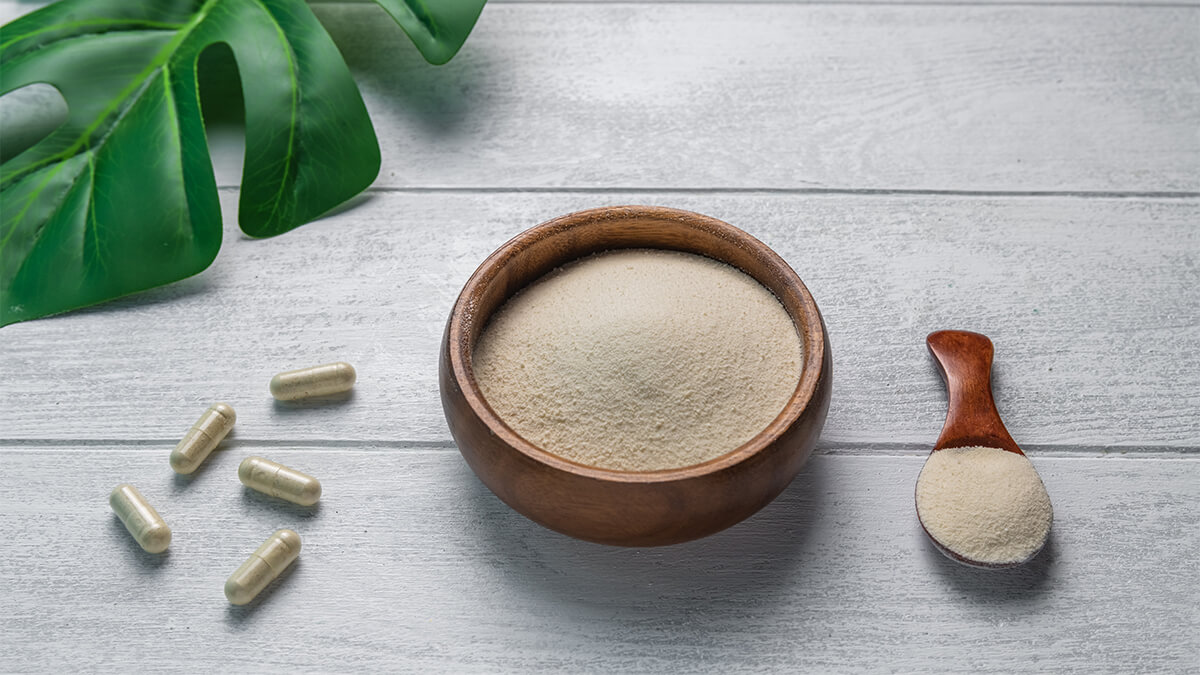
<point x="1092" y="305"/>
<point x="410" y="564"/>
<point x="964" y="98"/>
<point x="954" y="97"/>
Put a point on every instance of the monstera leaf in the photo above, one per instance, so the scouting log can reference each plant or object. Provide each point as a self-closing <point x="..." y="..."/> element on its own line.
<point x="122" y="197"/>
<point x="438" y="31"/>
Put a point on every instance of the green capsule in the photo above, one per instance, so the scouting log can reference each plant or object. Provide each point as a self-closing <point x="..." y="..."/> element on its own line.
<point x="261" y="568"/>
<point x="202" y="438"/>
<point x="142" y="521"/>
<point x="330" y="378"/>
<point x="277" y="480"/>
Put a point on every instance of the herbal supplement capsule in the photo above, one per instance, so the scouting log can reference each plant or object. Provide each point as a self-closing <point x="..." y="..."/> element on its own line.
<point x="261" y="568"/>
<point x="277" y="480"/>
<point x="142" y="521"/>
<point x="204" y="435"/>
<point x="331" y="378"/>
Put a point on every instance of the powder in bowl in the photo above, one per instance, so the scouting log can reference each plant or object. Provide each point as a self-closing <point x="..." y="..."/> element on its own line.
<point x="639" y="360"/>
<point x="985" y="504"/>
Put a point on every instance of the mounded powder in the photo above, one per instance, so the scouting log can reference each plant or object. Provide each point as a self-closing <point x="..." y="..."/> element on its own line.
<point x="639" y="360"/>
<point x="985" y="504"/>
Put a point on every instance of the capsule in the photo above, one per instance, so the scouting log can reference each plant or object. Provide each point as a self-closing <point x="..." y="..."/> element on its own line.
<point x="331" y="378"/>
<point x="277" y="480"/>
<point x="202" y="438"/>
<point x="261" y="568"/>
<point x="142" y="521"/>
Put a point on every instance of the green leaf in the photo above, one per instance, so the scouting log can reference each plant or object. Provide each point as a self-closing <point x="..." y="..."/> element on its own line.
<point x="122" y="197"/>
<point x="437" y="27"/>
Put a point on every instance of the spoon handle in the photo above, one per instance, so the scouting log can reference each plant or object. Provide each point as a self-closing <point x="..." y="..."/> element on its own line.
<point x="965" y="360"/>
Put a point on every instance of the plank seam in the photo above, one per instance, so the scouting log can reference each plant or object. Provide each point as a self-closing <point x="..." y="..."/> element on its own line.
<point x="227" y="445"/>
<point x="826" y="3"/>
<point x="864" y="192"/>
<point x="865" y="449"/>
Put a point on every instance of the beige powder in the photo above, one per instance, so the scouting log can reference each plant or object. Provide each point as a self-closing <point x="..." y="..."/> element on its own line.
<point x="985" y="504"/>
<point x="640" y="360"/>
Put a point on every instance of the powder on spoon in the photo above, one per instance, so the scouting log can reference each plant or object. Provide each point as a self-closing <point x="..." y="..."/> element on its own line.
<point x="985" y="504"/>
<point x="639" y="360"/>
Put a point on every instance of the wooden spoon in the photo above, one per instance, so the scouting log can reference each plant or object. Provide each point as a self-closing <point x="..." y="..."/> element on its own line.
<point x="965" y="361"/>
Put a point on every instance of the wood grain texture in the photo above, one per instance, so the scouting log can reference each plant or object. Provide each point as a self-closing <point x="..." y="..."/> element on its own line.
<point x="792" y="96"/>
<point x="410" y="564"/>
<point x="1091" y="304"/>
<point x="958" y="97"/>
<point x="965" y="361"/>
<point x="812" y="120"/>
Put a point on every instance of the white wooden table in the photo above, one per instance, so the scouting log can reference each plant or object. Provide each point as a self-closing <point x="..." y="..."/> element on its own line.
<point x="1027" y="170"/>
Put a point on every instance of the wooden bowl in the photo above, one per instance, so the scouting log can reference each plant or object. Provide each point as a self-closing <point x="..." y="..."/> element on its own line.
<point x="624" y="507"/>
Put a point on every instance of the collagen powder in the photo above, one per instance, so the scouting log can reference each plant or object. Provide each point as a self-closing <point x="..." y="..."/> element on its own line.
<point x="985" y="504"/>
<point x="639" y="360"/>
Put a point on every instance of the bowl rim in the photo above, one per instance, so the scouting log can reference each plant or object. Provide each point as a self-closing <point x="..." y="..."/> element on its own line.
<point x="808" y="325"/>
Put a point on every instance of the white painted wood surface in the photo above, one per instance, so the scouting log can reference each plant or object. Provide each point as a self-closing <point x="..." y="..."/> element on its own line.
<point x="1095" y="328"/>
<point x="885" y="97"/>
<point x="1031" y="171"/>
<point x="409" y="562"/>
<point x="790" y="96"/>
